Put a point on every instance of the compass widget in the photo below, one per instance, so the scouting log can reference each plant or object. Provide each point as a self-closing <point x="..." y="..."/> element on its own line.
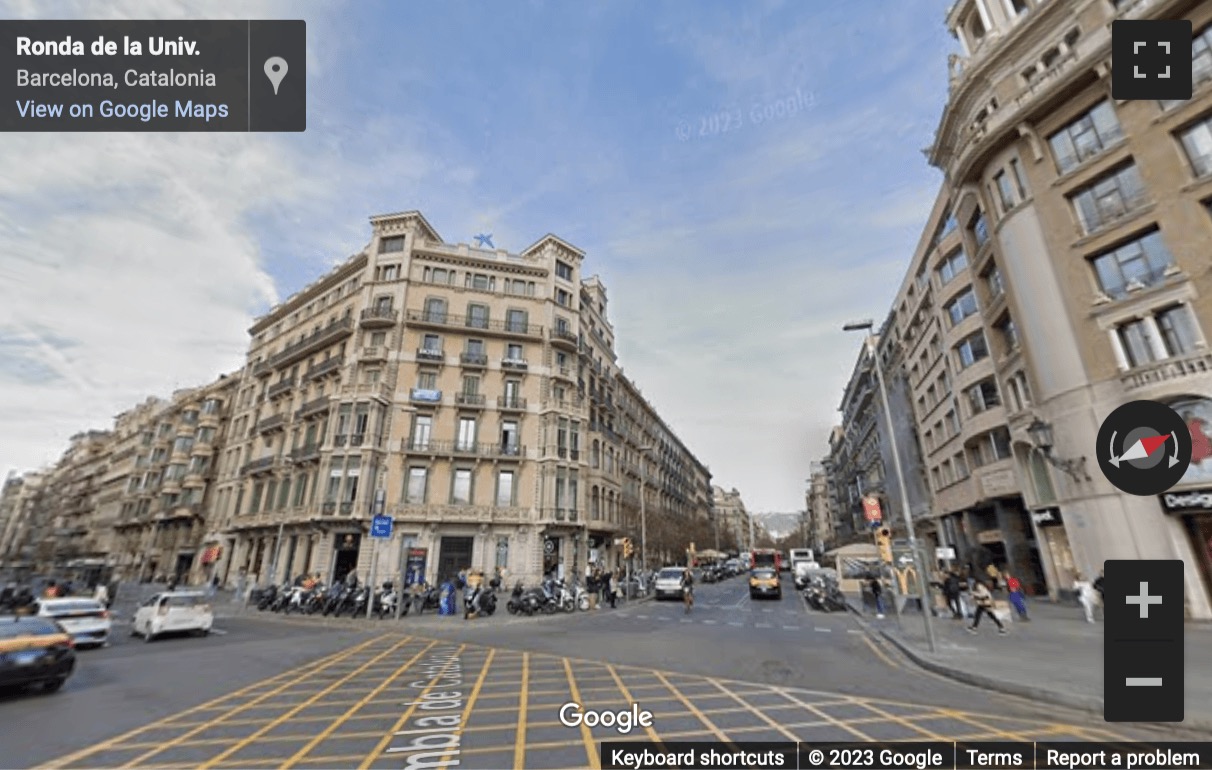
<point x="1144" y="448"/>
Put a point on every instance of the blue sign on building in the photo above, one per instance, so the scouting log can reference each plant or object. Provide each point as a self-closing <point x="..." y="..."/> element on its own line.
<point x="380" y="526"/>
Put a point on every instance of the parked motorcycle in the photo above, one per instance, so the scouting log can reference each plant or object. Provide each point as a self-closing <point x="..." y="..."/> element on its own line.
<point x="425" y="597"/>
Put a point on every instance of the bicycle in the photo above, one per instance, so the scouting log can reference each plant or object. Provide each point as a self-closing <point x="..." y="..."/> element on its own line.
<point x="688" y="598"/>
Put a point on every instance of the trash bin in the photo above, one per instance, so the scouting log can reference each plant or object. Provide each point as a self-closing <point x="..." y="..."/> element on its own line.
<point x="447" y="599"/>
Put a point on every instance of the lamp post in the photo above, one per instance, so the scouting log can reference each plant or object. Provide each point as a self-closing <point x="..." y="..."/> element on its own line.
<point x="1041" y="436"/>
<point x="644" y="450"/>
<point x="870" y="344"/>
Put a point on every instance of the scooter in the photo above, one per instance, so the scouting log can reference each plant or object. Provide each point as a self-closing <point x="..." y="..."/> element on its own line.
<point x="516" y="602"/>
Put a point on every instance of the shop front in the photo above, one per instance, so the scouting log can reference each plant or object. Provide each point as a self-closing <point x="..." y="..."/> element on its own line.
<point x="1194" y="508"/>
<point x="1055" y="553"/>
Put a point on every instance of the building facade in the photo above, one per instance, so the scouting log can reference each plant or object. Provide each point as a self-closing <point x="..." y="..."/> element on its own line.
<point x="735" y="525"/>
<point x="472" y="395"/>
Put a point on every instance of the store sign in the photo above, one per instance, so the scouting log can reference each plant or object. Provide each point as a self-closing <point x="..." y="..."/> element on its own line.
<point x="1189" y="500"/>
<point x="1048" y="517"/>
<point x="871" y="510"/>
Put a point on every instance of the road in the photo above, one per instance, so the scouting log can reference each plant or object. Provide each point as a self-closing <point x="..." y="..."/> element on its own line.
<point x="302" y="692"/>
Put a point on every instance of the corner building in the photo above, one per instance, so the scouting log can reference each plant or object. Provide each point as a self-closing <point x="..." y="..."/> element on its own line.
<point x="1086" y="226"/>
<point x="470" y="394"/>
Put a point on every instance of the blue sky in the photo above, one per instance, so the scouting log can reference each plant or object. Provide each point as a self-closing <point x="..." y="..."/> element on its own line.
<point x="732" y="257"/>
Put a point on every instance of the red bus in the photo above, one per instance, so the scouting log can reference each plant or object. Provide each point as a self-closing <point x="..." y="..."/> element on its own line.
<point x="766" y="557"/>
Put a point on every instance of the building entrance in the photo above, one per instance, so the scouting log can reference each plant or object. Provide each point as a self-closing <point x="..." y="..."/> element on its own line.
<point x="454" y="554"/>
<point x="345" y="559"/>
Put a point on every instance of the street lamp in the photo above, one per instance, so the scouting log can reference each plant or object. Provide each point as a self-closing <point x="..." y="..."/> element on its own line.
<point x="1041" y="436"/>
<point x="870" y="344"/>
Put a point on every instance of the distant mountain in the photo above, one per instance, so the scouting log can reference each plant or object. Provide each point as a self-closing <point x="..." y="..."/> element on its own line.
<point x="779" y="525"/>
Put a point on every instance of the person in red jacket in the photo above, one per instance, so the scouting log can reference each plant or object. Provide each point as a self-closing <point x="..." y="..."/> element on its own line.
<point x="1017" y="599"/>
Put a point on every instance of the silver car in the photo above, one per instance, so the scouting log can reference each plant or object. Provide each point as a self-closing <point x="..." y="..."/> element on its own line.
<point x="669" y="583"/>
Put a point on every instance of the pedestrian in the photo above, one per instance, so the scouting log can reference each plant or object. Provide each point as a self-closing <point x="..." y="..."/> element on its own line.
<point x="877" y="591"/>
<point x="102" y="595"/>
<point x="1017" y="598"/>
<point x="984" y="606"/>
<point x="951" y="590"/>
<point x="613" y="589"/>
<point x="1098" y="586"/>
<point x="1087" y="596"/>
<point x="51" y="591"/>
<point x="591" y="588"/>
<point x="995" y="577"/>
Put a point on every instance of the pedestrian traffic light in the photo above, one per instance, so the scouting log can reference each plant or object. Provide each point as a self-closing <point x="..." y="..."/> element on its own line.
<point x="883" y="541"/>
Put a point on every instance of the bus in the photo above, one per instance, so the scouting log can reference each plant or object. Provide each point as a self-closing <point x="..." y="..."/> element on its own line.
<point x="766" y="557"/>
<point x="801" y="555"/>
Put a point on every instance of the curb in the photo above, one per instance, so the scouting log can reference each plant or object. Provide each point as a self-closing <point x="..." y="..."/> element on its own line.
<point x="1085" y="703"/>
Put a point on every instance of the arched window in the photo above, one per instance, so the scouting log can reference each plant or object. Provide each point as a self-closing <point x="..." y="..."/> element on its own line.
<point x="594" y="454"/>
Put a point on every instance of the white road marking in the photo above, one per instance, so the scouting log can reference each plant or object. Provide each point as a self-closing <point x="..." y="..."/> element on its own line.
<point x="687" y="620"/>
<point x="218" y="632"/>
<point x="853" y="631"/>
<point x="792" y="628"/>
<point x="765" y="625"/>
<point x="824" y="630"/>
<point x="734" y="623"/>
<point x="767" y="609"/>
<point x="642" y="617"/>
<point x="709" y="622"/>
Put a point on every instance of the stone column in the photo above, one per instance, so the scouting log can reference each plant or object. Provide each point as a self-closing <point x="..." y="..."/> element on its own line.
<point x="1155" y="338"/>
<point x="1117" y="347"/>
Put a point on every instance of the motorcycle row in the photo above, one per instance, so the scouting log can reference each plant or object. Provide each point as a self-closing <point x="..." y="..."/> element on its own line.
<point x="350" y="598"/>
<point x="824" y="595"/>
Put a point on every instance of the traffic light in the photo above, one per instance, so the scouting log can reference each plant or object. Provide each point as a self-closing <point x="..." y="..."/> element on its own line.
<point x="883" y="541"/>
<point x="628" y="548"/>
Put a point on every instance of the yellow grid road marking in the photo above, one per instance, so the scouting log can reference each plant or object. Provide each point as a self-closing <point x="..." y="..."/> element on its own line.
<point x="618" y="680"/>
<point x="240" y="744"/>
<point x="832" y="720"/>
<point x="754" y="710"/>
<point x="898" y="719"/>
<point x="385" y="741"/>
<point x="471" y="702"/>
<point x="519" y="741"/>
<point x="114" y="742"/>
<point x="591" y="746"/>
<point x="336" y="723"/>
<point x="692" y="708"/>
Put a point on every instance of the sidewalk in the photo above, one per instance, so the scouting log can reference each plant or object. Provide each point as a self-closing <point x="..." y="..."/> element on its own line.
<point x="1057" y="657"/>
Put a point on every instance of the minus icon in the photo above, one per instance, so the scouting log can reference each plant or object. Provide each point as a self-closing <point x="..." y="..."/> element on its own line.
<point x="1143" y="681"/>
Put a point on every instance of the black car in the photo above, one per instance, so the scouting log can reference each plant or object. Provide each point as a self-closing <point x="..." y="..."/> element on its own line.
<point x="35" y="651"/>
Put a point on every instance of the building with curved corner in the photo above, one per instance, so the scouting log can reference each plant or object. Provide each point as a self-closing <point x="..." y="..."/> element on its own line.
<point x="1085" y="225"/>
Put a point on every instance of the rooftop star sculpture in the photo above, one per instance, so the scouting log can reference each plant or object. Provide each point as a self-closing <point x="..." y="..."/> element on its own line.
<point x="485" y="240"/>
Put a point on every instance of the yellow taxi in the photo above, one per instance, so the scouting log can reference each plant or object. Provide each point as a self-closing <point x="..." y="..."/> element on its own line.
<point x="764" y="582"/>
<point x="35" y="651"/>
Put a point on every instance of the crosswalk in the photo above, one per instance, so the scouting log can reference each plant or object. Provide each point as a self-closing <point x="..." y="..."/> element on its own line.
<point x="765" y="618"/>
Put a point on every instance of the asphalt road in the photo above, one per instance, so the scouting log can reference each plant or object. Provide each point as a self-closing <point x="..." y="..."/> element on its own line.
<point x="305" y="692"/>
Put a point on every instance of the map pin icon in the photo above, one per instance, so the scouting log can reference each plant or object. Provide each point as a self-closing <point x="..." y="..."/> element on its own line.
<point x="275" y="70"/>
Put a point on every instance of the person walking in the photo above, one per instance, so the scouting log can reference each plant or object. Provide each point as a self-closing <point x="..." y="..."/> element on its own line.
<point x="688" y="589"/>
<point x="591" y="588"/>
<point x="877" y="592"/>
<point x="951" y="590"/>
<point x="102" y="595"/>
<point x="1017" y="599"/>
<point x="612" y="589"/>
<point x="984" y="606"/>
<point x="1087" y="596"/>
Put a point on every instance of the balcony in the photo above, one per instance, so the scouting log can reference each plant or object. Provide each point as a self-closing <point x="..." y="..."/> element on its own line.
<point x="449" y="320"/>
<point x="564" y="337"/>
<point x="564" y="372"/>
<point x="421" y="446"/>
<point x="560" y="514"/>
<point x="1170" y="370"/>
<point x="262" y="369"/>
<point x="479" y="514"/>
<point x="317" y="340"/>
<point x="258" y="466"/>
<point x="305" y="454"/>
<point x="379" y="317"/>
<point x="281" y="388"/>
<point x="273" y="422"/>
<point x="425" y="396"/>
<point x="329" y="366"/>
<point x="374" y="353"/>
<point x="473" y="360"/>
<point x="313" y="407"/>
<point x="470" y="399"/>
<point x="516" y="364"/>
<point x="507" y="404"/>
<point x="431" y="355"/>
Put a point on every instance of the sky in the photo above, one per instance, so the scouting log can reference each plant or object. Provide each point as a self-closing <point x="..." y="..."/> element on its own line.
<point x="744" y="177"/>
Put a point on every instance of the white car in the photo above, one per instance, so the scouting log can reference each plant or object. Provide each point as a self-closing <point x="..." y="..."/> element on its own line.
<point x="173" y="612"/>
<point x="86" y="620"/>
<point x="669" y="582"/>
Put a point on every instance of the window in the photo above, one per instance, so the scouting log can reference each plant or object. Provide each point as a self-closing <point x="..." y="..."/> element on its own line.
<point x="961" y="467"/>
<point x="563" y="297"/>
<point x="995" y="284"/>
<point x="515" y="320"/>
<point x="1008" y="331"/>
<point x="562" y="437"/>
<point x="422" y="430"/>
<point x="505" y="488"/>
<point x="460" y="490"/>
<point x="983" y="396"/>
<point x="480" y="282"/>
<point x="1178" y="332"/>
<point x="300" y="489"/>
<point x="980" y="228"/>
<point x="1108" y="198"/>
<point x="1137" y="340"/>
<point x="361" y="420"/>
<point x="283" y="494"/>
<point x="383" y="304"/>
<point x="514" y="352"/>
<point x="512" y="390"/>
<point x="389" y="272"/>
<point x="961" y="307"/>
<point x="1085" y="137"/>
<point x="353" y="469"/>
<point x="435" y="310"/>
<point x="1020" y="178"/>
<point x="503" y="552"/>
<point x="972" y="349"/>
<point x="1139" y="263"/>
<point x="1197" y="141"/>
<point x="952" y="265"/>
<point x="417" y="483"/>
<point x="563" y="270"/>
<point x="431" y="343"/>
<point x="477" y="316"/>
<point x="210" y="406"/>
<point x="440" y="275"/>
<point x="391" y="245"/>
<point x="475" y="348"/>
<point x="999" y="440"/>
<point x="509" y="437"/>
<point x="467" y="434"/>
<point x="427" y="380"/>
<point x="378" y="339"/>
<point x="1005" y="191"/>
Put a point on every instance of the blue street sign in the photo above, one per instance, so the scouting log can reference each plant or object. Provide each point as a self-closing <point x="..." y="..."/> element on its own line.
<point x="380" y="526"/>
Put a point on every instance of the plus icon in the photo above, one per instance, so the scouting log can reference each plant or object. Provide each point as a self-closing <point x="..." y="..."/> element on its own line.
<point x="1151" y="59"/>
<point x="1144" y="600"/>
